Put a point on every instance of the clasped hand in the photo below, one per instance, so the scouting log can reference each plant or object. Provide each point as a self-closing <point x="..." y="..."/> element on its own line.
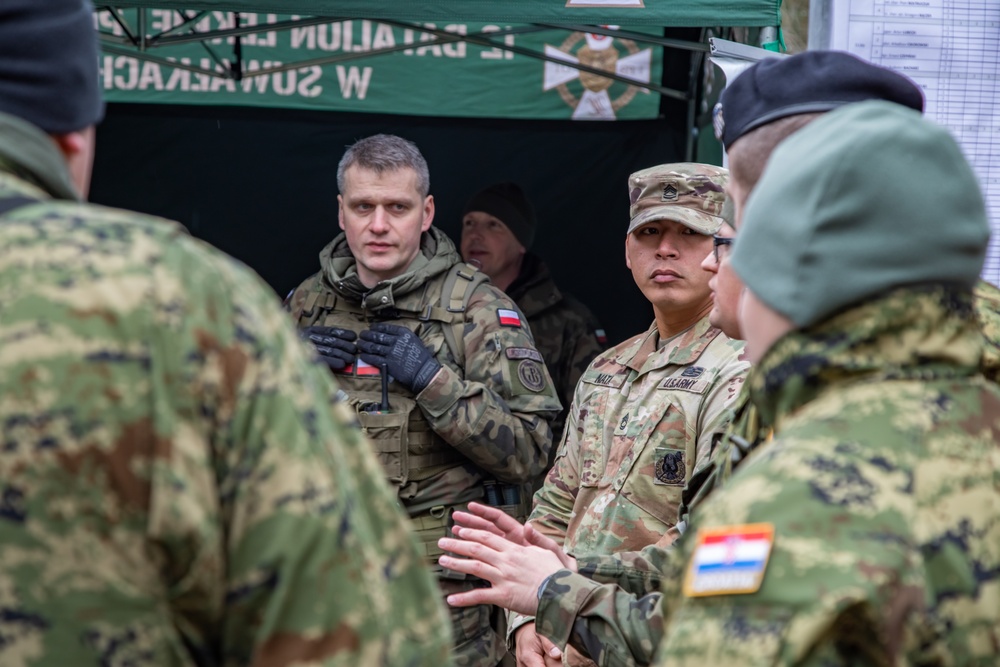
<point x="401" y="352"/>
<point x="515" y="559"/>
<point x="335" y="346"/>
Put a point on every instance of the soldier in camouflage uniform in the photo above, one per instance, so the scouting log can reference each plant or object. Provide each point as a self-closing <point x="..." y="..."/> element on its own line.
<point x="439" y="365"/>
<point x="498" y="230"/>
<point x="765" y="107"/>
<point x="644" y="411"/>
<point x="176" y="489"/>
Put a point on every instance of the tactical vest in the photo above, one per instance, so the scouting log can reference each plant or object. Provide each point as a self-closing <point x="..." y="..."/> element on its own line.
<point x="407" y="447"/>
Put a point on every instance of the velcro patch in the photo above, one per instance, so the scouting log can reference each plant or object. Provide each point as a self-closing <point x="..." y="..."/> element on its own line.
<point x="523" y="353"/>
<point x="360" y="368"/>
<point x="508" y="318"/>
<point x="605" y="380"/>
<point x="602" y="337"/>
<point x="729" y="561"/>
<point x="670" y="469"/>
<point x="693" y="372"/>
<point x="685" y="384"/>
<point x="531" y="375"/>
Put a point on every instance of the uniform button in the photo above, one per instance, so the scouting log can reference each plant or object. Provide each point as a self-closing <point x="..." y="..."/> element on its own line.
<point x="385" y="299"/>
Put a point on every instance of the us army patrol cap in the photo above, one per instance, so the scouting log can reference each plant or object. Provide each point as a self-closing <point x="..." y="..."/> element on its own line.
<point x="808" y="82"/>
<point x="863" y="200"/>
<point x="686" y="192"/>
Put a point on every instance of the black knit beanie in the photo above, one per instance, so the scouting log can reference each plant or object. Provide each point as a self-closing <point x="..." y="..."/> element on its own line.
<point x="507" y="203"/>
<point x="48" y="64"/>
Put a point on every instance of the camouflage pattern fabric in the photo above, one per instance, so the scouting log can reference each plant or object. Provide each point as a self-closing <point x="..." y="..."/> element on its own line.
<point x="566" y="333"/>
<point x="177" y="490"/>
<point x="642" y="419"/>
<point x="489" y="416"/>
<point x="987" y="302"/>
<point x="880" y="486"/>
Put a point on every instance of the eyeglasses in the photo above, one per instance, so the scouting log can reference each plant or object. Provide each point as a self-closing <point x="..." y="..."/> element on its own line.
<point x="719" y="241"/>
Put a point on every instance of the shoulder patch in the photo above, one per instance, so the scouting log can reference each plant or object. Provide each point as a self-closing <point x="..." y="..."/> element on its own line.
<point x="599" y="334"/>
<point x="685" y="384"/>
<point x="508" y="318"/>
<point x="531" y="375"/>
<point x="523" y="353"/>
<point x="730" y="560"/>
<point x="605" y="379"/>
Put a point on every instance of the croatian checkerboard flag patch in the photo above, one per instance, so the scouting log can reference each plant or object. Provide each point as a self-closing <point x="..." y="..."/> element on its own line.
<point x="508" y="318"/>
<point x="729" y="560"/>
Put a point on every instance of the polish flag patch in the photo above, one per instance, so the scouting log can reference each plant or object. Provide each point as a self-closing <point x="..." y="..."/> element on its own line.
<point x="602" y="337"/>
<point x="365" y="369"/>
<point x="729" y="560"/>
<point x="508" y="318"/>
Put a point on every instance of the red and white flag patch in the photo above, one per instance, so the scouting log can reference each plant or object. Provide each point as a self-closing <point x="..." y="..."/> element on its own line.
<point x="365" y="369"/>
<point x="508" y="318"/>
<point x="602" y="337"/>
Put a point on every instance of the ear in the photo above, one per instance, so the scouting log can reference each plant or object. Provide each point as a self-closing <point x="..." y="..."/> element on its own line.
<point x="428" y="213"/>
<point x="340" y="210"/>
<point x="77" y="149"/>
<point x="628" y="261"/>
<point x="70" y="144"/>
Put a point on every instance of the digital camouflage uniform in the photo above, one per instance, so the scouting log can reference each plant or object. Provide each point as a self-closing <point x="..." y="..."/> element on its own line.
<point x="987" y="302"/>
<point x="176" y="489"/>
<point x="880" y="438"/>
<point x="566" y="332"/>
<point x="480" y="420"/>
<point x="642" y="419"/>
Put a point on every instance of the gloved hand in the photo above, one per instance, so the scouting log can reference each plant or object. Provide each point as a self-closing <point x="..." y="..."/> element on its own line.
<point x="401" y="352"/>
<point x="334" y="345"/>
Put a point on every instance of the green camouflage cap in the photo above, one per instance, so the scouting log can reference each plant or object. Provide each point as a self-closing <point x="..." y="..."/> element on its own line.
<point x="687" y="192"/>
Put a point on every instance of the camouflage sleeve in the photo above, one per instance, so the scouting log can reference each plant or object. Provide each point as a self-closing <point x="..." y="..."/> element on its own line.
<point x="716" y="411"/>
<point x="601" y="621"/>
<point x="317" y="562"/>
<point x="498" y="414"/>
<point x="987" y="304"/>
<point x="842" y="559"/>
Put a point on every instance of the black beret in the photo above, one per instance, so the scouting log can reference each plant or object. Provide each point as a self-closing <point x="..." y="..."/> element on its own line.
<point x="48" y="64"/>
<point x="809" y="82"/>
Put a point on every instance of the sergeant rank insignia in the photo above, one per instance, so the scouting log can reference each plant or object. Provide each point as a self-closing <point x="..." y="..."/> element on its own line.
<point x="729" y="560"/>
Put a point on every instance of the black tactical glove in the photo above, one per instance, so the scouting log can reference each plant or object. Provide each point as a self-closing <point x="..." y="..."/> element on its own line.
<point x="401" y="352"/>
<point x="334" y="345"/>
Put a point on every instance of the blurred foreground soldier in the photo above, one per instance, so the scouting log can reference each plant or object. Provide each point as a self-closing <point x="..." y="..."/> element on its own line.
<point x="865" y="532"/>
<point x="644" y="412"/>
<point x="439" y="366"/>
<point x="498" y="229"/>
<point x="176" y="490"/>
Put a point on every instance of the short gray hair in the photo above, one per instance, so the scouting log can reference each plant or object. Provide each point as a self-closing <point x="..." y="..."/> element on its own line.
<point x="385" y="152"/>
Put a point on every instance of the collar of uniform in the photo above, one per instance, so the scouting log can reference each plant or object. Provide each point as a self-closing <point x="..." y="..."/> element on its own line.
<point x="683" y="349"/>
<point x="32" y="155"/>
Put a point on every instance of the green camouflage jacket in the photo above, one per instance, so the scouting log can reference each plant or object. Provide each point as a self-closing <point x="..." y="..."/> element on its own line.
<point x="175" y="488"/>
<point x="566" y="332"/>
<point x="987" y="300"/>
<point x="481" y="419"/>
<point x="482" y="407"/>
<point x="885" y="436"/>
<point x="642" y="419"/>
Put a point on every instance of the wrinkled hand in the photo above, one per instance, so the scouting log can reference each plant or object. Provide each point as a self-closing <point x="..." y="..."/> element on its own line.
<point x="534" y="650"/>
<point x="515" y="571"/>
<point x="402" y="353"/>
<point x="335" y="346"/>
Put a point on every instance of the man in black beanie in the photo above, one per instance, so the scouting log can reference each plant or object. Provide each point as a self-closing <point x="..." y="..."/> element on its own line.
<point x="176" y="487"/>
<point x="498" y="230"/>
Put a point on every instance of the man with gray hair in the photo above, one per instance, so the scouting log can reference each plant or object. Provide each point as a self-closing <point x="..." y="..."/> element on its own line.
<point x="439" y="365"/>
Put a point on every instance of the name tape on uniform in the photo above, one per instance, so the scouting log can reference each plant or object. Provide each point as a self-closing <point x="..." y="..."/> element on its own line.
<point x="729" y="561"/>
<point x="605" y="379"/>
<point x="523" y="353"/>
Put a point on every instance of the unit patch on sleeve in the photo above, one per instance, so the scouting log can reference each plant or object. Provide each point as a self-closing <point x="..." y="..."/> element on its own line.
<point x="729" y="561"/>
<point x="508" y="318"/>
<point x="531" y="375"/>
<point x="670" y="469"/>
<point x="523" y="353"/>
<point x="602" y="337"/>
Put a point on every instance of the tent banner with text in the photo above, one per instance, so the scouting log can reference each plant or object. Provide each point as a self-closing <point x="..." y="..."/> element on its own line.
<point x="423" y="75"/>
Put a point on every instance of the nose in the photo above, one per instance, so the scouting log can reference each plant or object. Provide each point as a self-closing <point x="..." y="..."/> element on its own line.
<point x="709" y="264"/>
<point x="379" y="221"/>
<point x="666" y="248"/>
